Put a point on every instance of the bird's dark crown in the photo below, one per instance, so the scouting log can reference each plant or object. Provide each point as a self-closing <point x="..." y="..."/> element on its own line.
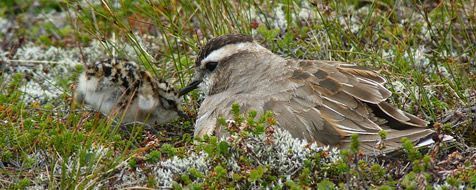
<point x="219" y="42"/>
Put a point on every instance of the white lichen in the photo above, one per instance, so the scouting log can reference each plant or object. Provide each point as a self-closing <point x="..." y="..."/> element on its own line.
<point x="5" y="24"/>
<point x="280" y="18"/>
<point x="166" y="170"/>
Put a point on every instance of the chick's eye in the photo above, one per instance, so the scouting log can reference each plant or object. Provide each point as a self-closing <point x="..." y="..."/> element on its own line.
<point x="211" y="65"/>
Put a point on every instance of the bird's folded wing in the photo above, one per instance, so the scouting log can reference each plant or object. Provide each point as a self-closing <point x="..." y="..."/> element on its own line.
<point x="322" y="102"/>
<point x="351" y="100"/>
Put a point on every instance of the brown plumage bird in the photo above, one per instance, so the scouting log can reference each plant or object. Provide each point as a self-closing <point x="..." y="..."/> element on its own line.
<point x="320" y="101"/>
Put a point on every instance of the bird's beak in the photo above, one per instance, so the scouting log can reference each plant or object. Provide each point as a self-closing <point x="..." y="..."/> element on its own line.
<point x="183" y="115"/>
<point x="193" y="85"/>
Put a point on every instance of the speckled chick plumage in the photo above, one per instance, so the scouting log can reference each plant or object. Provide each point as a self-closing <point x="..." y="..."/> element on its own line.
<point x="119" y="87"/>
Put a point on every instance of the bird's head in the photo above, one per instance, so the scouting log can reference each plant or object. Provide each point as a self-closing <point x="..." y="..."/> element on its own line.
<point x="214" y="54"/>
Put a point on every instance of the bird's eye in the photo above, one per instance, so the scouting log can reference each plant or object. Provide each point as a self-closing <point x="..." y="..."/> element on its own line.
<point x="211" y="65"/>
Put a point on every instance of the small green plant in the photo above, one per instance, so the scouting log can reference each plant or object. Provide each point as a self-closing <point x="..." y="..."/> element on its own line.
<point x="154" y="156"/>
<point x="412" y="152"/>
<point x="256" y="174"/>
<point x="168" y="150"/>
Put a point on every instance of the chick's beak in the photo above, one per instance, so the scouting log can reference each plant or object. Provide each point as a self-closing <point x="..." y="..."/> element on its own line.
<point x="193" y="85"/>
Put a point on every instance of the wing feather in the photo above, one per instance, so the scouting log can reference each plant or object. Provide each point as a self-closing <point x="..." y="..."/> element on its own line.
<point x="318" y="101"/>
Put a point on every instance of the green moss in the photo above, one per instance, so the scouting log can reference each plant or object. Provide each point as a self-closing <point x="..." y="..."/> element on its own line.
<point x="154" y="156"/>
<point x="256" y="174"/>
<point x="168" y="150"/>
<point x="326" y="185"/>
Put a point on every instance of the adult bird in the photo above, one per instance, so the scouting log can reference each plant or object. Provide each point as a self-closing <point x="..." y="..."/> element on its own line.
<point x="316" y="100"/>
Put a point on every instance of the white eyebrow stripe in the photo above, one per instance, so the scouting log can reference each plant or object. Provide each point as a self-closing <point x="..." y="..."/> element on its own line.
<point x="231" y="49"/>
